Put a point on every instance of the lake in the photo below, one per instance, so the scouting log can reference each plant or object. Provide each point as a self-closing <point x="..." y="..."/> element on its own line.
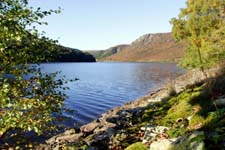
<point x="103" y="86"/>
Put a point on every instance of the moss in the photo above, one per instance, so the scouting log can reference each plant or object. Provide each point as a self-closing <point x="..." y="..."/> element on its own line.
<point x="71" y="146"/>
<point x="215" y="120"/>
<point x="157" y="111"/>
<point x="196" y="120"/>
<point x="182" y="106"/>
<point x="176" y="132"/>
<point x="137" y="146"/>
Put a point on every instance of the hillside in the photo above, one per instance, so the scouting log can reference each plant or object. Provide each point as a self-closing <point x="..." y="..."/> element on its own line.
<point x="150" y="47"/>
<point x="99" y="54"/>
<point x="66" y="54"/>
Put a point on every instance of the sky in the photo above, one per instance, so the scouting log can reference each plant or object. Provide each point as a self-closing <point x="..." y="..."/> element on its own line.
<point x="100" y="24"/>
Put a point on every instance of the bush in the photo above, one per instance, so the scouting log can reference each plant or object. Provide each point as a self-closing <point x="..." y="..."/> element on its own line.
<point x="30" y="100"/>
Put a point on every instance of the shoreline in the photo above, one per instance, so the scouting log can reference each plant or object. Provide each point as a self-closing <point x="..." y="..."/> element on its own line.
<point x="117" y="120"/>
<point x="113" y="118"/>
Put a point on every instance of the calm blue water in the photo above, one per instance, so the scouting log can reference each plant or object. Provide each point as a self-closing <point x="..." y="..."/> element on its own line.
<point x="102" y="86"/>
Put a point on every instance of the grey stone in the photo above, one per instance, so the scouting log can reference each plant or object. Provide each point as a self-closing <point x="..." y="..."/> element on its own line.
<point x="89" y="127"/>
<point x="151" y="132"/>
<point x="220" y="102"/>
<point x="165" y="144"/>
<point x="192" y="141"/>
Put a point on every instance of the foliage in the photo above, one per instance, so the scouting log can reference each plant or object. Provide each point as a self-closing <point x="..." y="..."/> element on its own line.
<point x="137" y="146"/>
<point x="201" y="24"/>
<point x="30" y="100"/>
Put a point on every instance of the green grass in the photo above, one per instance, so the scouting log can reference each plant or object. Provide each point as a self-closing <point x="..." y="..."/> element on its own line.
<point x="137" y="146"/>
<point x="194" y="106"/>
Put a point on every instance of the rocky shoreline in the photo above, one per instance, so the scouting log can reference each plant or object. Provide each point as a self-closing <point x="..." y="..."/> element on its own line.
<point x="112" y="127"/>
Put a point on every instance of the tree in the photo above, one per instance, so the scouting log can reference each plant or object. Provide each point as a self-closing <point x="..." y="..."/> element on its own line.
<point x="29" y="99"/>
<point x="198" y="24"/>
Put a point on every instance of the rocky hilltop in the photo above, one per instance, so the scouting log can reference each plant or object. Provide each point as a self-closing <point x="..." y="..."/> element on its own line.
<point x="148" y="48"/>
<point x="153" y="38"/>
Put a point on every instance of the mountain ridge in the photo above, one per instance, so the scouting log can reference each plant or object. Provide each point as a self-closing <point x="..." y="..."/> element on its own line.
<point x="156" y="47"/>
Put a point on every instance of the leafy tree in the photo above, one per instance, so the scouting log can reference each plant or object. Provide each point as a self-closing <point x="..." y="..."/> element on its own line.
<point x="200" y="24"/>
<point x="29" y="99"/>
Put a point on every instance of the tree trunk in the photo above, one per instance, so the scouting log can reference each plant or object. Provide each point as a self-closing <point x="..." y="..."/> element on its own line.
<point x="201" y="63"/>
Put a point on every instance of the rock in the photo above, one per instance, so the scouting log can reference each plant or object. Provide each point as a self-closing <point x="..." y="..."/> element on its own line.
<point x="98" y="140"/>
<point x="190" y="141"/>
<point x="61" y="136"/>
<point x="153" y="38"/>
<point x="164" y="144"/>
<point x="100" y="136"/>
<point x="122" y="118"/>
<point x="55" y="142"/>
<point x="70" y="131"/>
<point x="155" y="129"/>
<point x="105" y="127"/>
<point x="112" y="119"/>
<point x="151" y="132"/>
<point x="159" y="96"/>
<point x="220" y="102"/>
<point x="89" y="127"/>
<point x="69" y="138"/>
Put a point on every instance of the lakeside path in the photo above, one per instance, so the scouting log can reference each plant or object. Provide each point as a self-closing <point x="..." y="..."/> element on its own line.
<point x="103" y="133"/>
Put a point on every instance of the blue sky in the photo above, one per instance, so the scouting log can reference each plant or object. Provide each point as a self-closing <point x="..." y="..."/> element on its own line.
<point x="100" y="24"/>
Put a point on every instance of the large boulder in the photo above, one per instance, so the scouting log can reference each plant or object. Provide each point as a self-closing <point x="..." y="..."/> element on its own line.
<point x="88" y="128"/>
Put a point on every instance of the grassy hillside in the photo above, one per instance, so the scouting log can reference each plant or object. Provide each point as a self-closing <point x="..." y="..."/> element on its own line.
<point x="99" y="54"/>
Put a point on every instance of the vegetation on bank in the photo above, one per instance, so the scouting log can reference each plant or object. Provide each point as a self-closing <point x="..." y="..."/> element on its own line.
<point x="194" y="109"/>
<point x="31" y="101"/>
<point x="201" y="106"/>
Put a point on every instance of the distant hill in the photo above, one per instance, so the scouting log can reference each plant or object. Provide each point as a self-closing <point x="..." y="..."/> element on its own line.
<point x="149" y="47"/>
<point x="99" y="54"/>
<point x="66" y="54"/>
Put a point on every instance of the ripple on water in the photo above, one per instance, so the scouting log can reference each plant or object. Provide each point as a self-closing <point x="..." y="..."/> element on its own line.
<point x="102" y="86"/>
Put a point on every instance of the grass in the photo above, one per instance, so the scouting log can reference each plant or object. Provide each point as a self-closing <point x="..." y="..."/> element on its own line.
<point x="137" y="146"/>
<point x="192" y="110"/>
